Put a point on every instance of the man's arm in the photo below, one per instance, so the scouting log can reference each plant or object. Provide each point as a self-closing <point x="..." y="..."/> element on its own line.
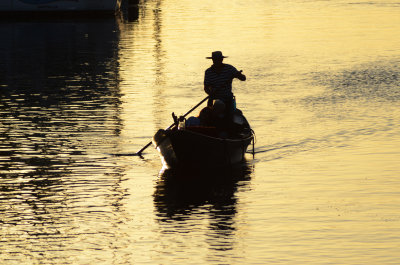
<point x="207" y="85"/>
<point x="240" y="76"/>
<point x="207" y="89"/>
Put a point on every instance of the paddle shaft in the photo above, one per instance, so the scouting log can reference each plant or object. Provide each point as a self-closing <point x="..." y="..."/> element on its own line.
<point x="172" y="125"/>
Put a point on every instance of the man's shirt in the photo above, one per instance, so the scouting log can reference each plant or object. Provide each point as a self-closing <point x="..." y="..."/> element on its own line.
<point x="221" y="83"/>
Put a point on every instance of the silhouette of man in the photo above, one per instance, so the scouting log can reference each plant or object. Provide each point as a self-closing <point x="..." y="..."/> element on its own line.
<point x="218" y="81"/>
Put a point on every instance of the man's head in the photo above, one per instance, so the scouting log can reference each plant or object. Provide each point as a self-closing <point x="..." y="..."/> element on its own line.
<point x="217" y="57"/>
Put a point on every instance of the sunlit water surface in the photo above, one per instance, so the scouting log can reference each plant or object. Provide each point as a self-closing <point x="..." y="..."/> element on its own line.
<point x="322" y="95"/>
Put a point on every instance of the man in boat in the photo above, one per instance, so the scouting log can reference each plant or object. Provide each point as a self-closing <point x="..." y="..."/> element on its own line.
<point x="218" y="81"/>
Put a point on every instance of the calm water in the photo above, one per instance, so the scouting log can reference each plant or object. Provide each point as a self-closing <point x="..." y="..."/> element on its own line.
<point x="323" y="96"/>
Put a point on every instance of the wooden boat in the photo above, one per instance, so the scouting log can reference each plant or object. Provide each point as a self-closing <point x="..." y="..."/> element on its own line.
<point x="204" y="147"/>
<point x="60" y="5"/>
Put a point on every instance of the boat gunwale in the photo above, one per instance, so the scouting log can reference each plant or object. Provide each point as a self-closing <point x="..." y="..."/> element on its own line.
<point x="251" y="136"/>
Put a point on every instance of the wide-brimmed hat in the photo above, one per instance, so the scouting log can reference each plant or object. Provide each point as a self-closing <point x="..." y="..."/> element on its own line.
<point x="216" y="55"/>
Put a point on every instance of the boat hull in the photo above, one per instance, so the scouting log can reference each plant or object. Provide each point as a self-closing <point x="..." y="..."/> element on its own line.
<point x="184" y="148"/>
<point x="59" y="5"/>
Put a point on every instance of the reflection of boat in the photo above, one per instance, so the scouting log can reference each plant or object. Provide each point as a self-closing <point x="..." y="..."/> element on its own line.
<point x="203" y="147"/>
<point x="60" y="5"/>
<point x="184" y="192"/>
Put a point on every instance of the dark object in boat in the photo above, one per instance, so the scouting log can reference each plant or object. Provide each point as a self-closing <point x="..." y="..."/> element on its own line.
<point x="204" y="147"/>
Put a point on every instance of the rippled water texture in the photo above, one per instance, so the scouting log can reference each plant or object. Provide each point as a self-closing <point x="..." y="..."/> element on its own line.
<point x="322" y="95"/>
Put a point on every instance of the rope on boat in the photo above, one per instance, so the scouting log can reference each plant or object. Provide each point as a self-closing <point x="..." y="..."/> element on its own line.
<point x="254" y="139"/>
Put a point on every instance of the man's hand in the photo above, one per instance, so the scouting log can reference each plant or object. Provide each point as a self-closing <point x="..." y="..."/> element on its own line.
<point x="240" y="76"/>
<point x="208" y="89"/>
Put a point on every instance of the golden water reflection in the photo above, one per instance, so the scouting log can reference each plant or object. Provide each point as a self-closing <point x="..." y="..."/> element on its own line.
<point x="322" y="96"/>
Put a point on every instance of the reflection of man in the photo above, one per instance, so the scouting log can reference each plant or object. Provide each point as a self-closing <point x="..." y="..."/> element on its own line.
<point x="218" y="80"/>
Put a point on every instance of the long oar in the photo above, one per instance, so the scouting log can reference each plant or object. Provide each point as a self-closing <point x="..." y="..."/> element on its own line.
<point x="139" y="153"/>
